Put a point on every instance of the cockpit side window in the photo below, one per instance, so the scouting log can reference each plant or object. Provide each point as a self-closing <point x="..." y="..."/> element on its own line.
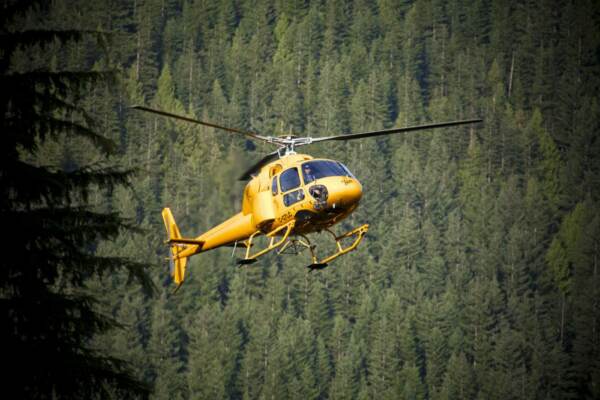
<point x="289" y="180"/>
<point x="274" y="186"/>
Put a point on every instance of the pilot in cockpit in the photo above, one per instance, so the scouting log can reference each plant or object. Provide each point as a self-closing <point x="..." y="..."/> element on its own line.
<point x="308" y="173"/>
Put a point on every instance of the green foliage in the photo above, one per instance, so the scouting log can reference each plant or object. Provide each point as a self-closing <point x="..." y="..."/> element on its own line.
<point x="478" y="277"/>
<point x="57" y="173"/>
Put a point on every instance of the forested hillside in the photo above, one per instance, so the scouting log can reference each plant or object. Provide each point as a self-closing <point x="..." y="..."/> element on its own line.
<point x="479" y="276"/>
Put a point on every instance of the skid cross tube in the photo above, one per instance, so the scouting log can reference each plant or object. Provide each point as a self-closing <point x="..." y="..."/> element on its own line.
<point x="297" y="245"/>
<point x="287" y="228"/>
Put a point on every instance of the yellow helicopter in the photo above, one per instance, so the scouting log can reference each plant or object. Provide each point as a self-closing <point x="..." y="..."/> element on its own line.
<point x="288" y="196"/>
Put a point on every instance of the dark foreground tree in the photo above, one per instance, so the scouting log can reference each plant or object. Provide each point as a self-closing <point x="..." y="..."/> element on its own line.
<point x="51" y="227"/>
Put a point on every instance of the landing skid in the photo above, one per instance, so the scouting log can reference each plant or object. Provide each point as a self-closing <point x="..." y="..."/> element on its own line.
<point x="244" y="261"/>
<point x="317" y="266"/>
<point x="287" y="245"/>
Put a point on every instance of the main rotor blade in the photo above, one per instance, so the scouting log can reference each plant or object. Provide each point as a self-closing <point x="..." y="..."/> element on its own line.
<point x="261" y="163"/>
<point x="395" y="130"/>
<point x="196" y="121"/>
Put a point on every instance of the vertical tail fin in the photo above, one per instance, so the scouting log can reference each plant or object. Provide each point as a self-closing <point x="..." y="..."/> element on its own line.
<point x="177" y="264"/>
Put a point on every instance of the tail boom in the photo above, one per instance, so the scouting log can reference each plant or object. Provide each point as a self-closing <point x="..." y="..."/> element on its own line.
<point x="239" y="227"/>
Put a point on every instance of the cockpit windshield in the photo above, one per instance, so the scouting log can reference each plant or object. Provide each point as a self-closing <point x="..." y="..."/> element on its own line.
<point x="313" y="170"/>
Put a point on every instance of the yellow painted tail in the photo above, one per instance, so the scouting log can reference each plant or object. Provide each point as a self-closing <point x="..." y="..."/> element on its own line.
<point x="177" y="264"/>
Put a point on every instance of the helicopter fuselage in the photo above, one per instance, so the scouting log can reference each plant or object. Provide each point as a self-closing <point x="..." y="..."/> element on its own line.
<point x="316" y="193"/>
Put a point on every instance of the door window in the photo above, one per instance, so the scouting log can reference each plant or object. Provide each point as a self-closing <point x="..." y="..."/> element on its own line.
<point x="289" y="180"/>
<point x="293" y="197"/>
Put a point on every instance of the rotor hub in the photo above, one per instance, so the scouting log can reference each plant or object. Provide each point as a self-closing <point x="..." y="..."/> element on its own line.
<point x="287" y="144"/>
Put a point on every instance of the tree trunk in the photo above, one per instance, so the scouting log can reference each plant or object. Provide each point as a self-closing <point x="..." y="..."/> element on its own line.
<point x="510" y="76"/>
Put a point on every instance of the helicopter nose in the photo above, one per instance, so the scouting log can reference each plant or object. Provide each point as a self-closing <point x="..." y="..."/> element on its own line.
<point x="344" y="192"/>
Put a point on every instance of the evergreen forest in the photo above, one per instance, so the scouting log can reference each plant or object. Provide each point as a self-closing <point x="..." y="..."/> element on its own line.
<point x="479" y="277"/>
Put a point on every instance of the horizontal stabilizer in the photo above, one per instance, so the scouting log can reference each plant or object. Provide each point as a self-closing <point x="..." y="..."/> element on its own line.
<point x="186" y="241"/>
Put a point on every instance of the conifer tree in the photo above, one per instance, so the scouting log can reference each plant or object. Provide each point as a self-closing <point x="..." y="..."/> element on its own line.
<point x="480" y="256"/>
<point x="166" y="353"/>
<point x="48" y="316"/>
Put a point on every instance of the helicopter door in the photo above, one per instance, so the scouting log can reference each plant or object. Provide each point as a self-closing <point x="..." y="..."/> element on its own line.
<point x="289" y="179"/>
<point x="290" y="189"/>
